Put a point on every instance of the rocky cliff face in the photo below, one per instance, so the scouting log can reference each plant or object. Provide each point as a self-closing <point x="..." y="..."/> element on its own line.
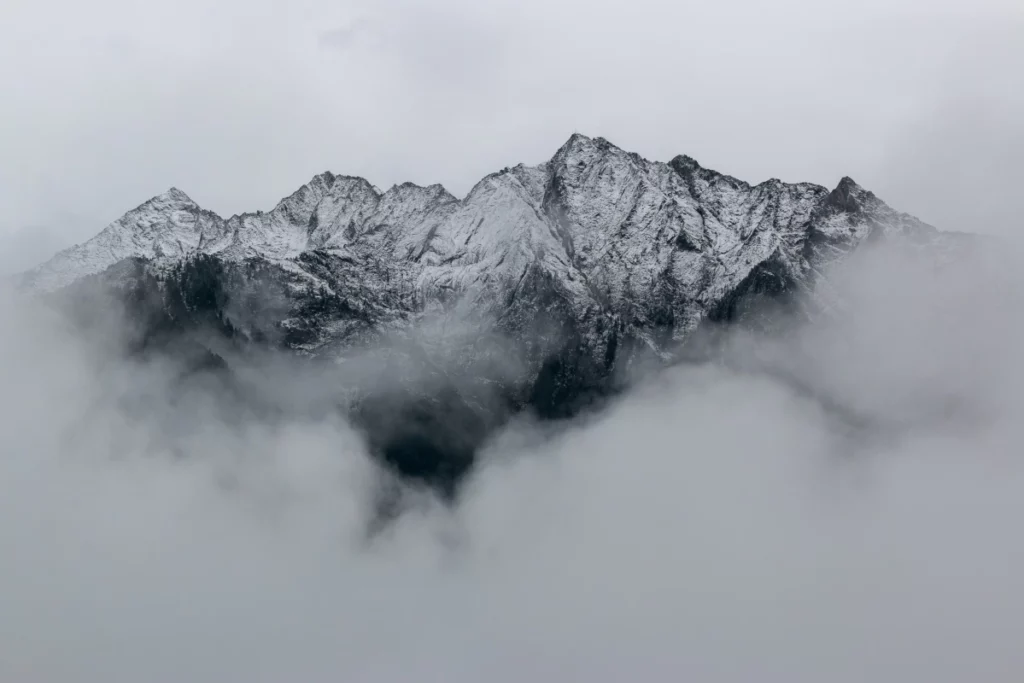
<point x="538" y="290"/>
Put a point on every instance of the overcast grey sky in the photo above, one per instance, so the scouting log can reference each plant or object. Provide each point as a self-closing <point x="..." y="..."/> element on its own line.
<point x="712" y="526"/>
<point x="239" y="102"/>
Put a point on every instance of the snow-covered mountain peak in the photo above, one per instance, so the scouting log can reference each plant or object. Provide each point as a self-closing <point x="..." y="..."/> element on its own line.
<point x="850" y="197"/>
<point x="586" y="266"/>
<point x="685" y="164"/>
<point x="172" y="196"/>
<point x="594" y="213"/>
<point x="580" y="150"/>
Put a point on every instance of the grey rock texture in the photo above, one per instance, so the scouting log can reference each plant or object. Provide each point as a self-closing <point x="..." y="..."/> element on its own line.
<point x="539" y="289"/>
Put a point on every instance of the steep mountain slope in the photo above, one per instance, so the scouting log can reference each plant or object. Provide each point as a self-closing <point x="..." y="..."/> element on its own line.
<point x="539" y="289"/>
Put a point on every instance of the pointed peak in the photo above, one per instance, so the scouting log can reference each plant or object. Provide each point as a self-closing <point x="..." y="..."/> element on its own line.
<point x="174" y="194"/>
<point x="576" y="143"/>
<point x="171" y="197"/>
<point x="579" y="140"/>
<point x="326" y="183"/>
<point x="848" y="196"/>
<point x="580" y="150"/>
<point x="326" y="178"/>
<point x="848" y="184"/>
<point x="685" y="162"/>
<point x="848" y="187"/>
<point x="320" y="183"/>
<point x="329" y="181"/>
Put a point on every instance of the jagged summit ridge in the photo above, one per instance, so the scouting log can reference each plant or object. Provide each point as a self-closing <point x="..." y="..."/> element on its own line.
<point x="577" y="269"/>
<point x="608" y="226"/>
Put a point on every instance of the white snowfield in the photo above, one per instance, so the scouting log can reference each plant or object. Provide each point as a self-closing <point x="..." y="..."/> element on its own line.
<point x="604" y="223"/>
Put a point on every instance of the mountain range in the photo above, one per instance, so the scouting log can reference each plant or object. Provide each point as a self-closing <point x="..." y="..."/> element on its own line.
<point x="542" y="289"/>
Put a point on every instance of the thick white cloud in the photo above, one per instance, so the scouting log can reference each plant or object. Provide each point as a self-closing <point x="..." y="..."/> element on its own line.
<point x="712" y="525"/>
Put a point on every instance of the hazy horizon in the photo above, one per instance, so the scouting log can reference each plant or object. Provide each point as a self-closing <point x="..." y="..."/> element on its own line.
<point x="240" y="105"/>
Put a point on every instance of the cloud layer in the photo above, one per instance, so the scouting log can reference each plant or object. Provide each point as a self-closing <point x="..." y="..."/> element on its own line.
<point x="721" y="523"/>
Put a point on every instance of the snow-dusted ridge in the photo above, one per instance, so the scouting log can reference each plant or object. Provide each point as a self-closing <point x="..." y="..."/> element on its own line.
<point x="590" y="200"/>
<point x="604" y="231"/>
<point x="584" y="266"/>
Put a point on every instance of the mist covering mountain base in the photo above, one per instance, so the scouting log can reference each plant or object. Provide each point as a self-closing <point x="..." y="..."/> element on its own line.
<point x="430" y="321"/>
